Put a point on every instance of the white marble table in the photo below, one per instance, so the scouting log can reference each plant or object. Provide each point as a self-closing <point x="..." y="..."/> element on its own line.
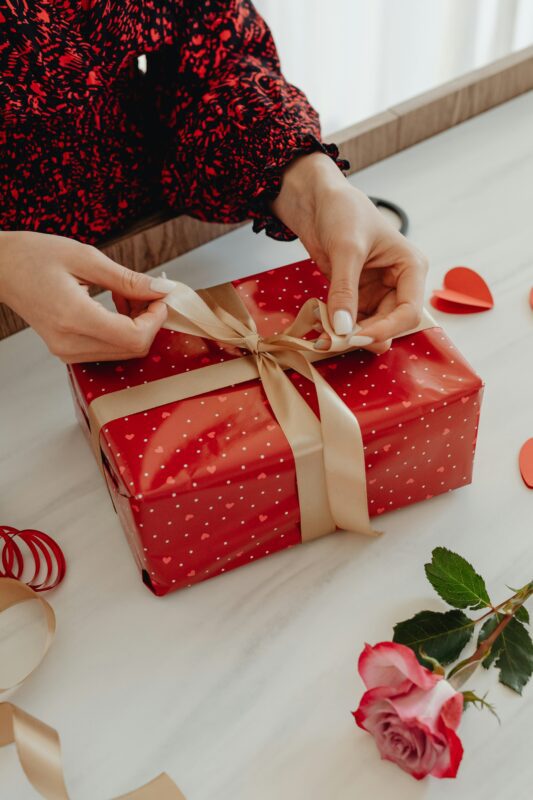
<point x="242" y="687"/>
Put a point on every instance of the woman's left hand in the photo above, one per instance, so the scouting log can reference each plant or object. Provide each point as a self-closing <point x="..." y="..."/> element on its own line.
<point x="377" y="276"/>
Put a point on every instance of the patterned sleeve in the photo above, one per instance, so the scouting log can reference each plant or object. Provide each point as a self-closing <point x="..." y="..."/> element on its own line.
<point x="235" y="121"/>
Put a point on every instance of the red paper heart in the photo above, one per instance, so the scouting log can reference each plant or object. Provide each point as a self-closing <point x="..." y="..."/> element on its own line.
<point x="531" y="298"/>
<point x="525" y="461"/>
<point x="464" y="292"/>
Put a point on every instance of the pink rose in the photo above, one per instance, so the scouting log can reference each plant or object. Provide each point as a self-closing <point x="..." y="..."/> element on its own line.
<point x="412" y="713"/>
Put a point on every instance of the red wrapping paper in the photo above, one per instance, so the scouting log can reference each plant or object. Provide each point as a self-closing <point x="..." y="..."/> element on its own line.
<point x="207" y="484"/>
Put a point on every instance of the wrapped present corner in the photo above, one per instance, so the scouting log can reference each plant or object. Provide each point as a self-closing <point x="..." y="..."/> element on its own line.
<point x="234" y="438"/>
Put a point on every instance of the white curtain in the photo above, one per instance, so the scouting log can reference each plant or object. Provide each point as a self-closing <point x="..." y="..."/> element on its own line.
<point x="354" y="58"/>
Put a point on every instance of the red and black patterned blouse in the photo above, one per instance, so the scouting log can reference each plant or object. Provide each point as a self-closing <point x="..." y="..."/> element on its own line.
<point x="88" y="142"/>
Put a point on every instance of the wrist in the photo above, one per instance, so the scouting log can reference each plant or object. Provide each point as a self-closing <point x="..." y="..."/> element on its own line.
<point x="305" y="181"/>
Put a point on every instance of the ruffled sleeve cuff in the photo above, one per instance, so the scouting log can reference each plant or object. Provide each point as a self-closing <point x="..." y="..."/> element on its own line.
<point x="270" y="186"/>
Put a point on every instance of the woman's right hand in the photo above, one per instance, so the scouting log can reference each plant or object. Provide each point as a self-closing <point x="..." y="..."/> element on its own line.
<point x="46" y="279"/>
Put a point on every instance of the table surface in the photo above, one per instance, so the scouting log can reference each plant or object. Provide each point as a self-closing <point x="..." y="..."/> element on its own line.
<point x="242" y="687"/>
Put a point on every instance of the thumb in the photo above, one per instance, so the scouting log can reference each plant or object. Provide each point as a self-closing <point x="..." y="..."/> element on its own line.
<point x="343" y="293"/>
<point x="123" y="281"/>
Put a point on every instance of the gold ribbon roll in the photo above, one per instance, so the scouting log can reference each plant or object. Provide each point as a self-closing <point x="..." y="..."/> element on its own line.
<point x="328" y="452"/>
<point x="37" y="744"/>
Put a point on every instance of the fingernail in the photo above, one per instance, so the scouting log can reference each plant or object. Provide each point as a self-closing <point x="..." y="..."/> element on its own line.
<point x="321" y="344"/>
<point x="342" y="322"/>
<point x="162" y="285"/>
<point x="360" y="341"/>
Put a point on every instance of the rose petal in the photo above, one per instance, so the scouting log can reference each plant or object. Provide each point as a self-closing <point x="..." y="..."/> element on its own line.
<point x="372" y="702"/>
<point x="447" y="764"/>
<point x="390" y="664"/>
<point x="424" y="705"/>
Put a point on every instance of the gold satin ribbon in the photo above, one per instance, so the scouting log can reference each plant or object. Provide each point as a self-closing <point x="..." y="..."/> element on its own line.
<point x="37" y="744"/>
<point x="328" y="452"/>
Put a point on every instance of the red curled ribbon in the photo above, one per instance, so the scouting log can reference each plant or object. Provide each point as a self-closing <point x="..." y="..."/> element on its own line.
<point x="49" y="565"/>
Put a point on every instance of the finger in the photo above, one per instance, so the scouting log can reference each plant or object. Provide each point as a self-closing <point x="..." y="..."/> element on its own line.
<point x="100" y="270"/>
<point x="323" y="341"/>
<point x="121" y="304"/>
<point x="407" y="309"/>
<point x="131" y="308"/>
<point x="76" y="348"/>
<point x="131" y="336"/>
<point x="346" y="266"/>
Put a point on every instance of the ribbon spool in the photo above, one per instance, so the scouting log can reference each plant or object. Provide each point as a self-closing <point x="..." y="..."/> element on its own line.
<point x="49" y="565"/>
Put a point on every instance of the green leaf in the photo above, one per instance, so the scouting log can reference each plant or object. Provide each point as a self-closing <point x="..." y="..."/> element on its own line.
<point x="455" y="580"/>
<point x="511" y="653"/>
<point x="522" y="614"/>
<point x="442" y="635"/>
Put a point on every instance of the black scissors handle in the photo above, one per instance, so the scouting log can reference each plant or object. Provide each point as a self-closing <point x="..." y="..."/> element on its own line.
<point x="403" y="219"/>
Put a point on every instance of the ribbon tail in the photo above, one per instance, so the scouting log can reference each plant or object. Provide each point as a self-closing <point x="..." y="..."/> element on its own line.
<point x="344" y="457"/>
<point x="161" y="788"/>
<point x="38" y="749"/>
<point x="303" y="433"/>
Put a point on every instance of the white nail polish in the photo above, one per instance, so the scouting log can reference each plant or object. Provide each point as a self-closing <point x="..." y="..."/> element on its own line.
<point x="162" y="285"/>
<point x="360" y="341"/>
<point x="321" y="344"/>
<point x="342" y="322"/>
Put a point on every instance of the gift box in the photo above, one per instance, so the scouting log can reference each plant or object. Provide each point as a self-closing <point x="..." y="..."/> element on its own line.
<point x="206" y="483"/>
